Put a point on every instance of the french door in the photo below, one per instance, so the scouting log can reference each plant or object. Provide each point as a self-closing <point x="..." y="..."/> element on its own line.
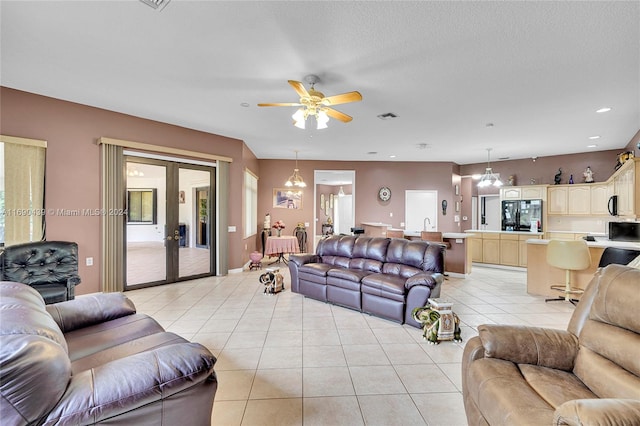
<point x="168" y="235"/>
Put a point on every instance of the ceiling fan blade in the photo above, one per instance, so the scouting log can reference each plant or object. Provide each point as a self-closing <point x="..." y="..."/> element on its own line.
<point x="280" y="104"/>
<point x="338" y="115"/>
<point x="342" y="98"/>
<point x="299" y="88"/>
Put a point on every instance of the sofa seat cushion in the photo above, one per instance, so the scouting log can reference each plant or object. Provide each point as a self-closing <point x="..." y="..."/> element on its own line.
<point x="503" y="396"/>
<point x="143" y="344"/>
<point x="317" y="269"/>
<point x="384" y="285"/>
<point x="90" y="340"/>
<point x="555" y="386"/>
<point x="353" y="275"/>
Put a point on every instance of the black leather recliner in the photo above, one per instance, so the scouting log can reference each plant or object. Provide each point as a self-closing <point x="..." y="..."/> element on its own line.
<point x="50" y="267"/>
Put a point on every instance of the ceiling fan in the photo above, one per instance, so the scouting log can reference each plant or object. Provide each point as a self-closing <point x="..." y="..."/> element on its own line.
<point x="315" y="103"/>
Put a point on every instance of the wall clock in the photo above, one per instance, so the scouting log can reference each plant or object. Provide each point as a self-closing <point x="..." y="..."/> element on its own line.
<point x="384" y="194"/>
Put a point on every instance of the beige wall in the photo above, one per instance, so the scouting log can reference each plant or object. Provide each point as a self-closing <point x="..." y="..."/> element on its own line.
<point x="73" y="164"/>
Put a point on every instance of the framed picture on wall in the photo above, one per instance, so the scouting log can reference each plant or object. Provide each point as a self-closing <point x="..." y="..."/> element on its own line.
<point x="284" y="198"/>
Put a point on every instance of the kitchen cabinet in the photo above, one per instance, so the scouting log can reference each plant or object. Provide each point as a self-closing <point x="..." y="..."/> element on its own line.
<point x="522" y="248"/>
<point x="579" y="199"/>
<point x="491" y="247"/>
<point x="476" y="248"/>
<point x="624" y="188"/>
<point x="572" y="200"/>
<point x="530" y="192"/>
<point x="509" y="249"/>
<point x="557" y="199"/>
<point x="600" y="194"/>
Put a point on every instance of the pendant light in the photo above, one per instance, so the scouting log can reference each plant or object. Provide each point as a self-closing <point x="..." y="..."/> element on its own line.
<point x="295" y="179"/>
<point x="489" y="178"/>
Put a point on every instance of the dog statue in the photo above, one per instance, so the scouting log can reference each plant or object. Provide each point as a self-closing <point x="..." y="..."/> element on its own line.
<point x="272" y="280"/>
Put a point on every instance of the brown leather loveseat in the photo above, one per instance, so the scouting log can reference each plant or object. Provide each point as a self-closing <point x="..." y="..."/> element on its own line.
<point x="95" y="360"/>
<point x="588" y="374"/>
<point x="386" y="277"/>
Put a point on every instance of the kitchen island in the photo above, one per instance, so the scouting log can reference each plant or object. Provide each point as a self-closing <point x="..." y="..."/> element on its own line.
<point x="540" y="275"/>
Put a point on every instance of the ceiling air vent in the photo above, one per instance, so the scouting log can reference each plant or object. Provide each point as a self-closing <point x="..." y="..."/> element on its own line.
<point x="156" y="4"/>
<point x="387" y="116"/>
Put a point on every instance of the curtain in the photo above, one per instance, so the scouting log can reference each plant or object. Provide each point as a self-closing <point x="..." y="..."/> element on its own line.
<point x="223" y="217"/>
<point x="113" y="194"/>
<point x="24" y="167"/>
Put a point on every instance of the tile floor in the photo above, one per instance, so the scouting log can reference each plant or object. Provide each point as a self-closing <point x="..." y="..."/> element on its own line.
<point x="289" y="360"/>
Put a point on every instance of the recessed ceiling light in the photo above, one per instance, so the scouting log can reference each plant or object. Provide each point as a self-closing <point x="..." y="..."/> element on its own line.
<point x="372" y="152"/>
<point x="594" y="137"/>
<point x="392" y="156"/>
<point x="245" y="104"/>
<point x="593" y="145"/>
<point x="605" y="109"/>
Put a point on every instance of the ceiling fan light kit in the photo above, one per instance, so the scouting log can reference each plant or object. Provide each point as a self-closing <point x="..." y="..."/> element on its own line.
<point x="314" y="103"/>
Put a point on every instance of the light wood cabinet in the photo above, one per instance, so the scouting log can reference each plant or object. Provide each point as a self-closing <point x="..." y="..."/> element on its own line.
<point x="511" y="193"/>
<point x="509" y="249"/>
<point x="579" y="200"/>
<point x="491" y="248"/>
<point x="557" y="200"/>
<point x="600" y="194"/>
<point x="476" y="249"/>
<point x="531" y="192"/>
<point x="624" y="188"/>
<point x="522" y="248"/>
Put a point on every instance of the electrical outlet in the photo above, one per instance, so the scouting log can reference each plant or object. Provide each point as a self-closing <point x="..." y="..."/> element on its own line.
<point x="89" y="261"/>
<point x="390" y="214"/>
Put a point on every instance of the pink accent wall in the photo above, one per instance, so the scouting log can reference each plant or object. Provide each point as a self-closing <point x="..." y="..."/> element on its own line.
<point x="73" y="165"/>
<point x="73" y="173"/>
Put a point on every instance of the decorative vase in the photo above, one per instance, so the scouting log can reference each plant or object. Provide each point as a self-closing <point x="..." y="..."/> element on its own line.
<point x="279" y="232"/>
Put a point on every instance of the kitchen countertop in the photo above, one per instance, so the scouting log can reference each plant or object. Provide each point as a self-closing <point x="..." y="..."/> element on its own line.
<point x="503" y="232"/>
<point x="601" y="242"/>
<point x="444" y="234"/>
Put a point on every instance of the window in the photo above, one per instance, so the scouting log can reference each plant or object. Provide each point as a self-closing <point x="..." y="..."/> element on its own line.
<point x="250" y="203"/>
<point x="21" y="190"/>
<point x="142" y="206"/>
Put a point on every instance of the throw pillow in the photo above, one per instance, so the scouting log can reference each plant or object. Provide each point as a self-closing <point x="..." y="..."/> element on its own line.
<point x="635" y="263"/>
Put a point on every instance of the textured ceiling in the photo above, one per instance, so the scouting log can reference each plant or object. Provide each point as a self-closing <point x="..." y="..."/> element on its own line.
<point x="536" y="70"/>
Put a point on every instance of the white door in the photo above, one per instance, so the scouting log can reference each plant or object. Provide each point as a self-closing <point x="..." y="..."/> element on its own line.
<point x="491" y="212"/>
<point x="421" y="210"/>
<point x="343" y="214"/>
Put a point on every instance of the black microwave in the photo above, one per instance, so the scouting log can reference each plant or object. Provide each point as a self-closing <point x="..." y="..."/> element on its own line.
<point x="624" y="231"/>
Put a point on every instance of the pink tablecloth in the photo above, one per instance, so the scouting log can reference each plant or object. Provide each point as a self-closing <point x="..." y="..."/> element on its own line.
<point x="284" y="244"/>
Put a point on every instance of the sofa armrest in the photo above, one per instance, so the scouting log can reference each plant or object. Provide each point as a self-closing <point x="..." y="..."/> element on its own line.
<point x="598" y="412"/>
<point x="90" y="309"/>
<point x="529" y="345"/>
<point x="72" y="282"/>
<point x="302" y="259"/>
<point x="126" y="384"/>
<point x="429" y="279"/>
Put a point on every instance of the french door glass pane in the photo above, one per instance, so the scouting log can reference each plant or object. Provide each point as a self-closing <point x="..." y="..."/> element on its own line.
<point x="146" y="244"/>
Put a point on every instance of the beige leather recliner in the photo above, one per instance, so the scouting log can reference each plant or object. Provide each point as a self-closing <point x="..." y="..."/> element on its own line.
<point x="588" y="374"/>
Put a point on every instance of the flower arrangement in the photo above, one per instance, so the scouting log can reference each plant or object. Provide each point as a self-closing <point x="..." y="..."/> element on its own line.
<point x="279" y="225"/>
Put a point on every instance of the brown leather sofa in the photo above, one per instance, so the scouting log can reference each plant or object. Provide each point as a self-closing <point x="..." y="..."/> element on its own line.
<point x="588" y="374"/>
<point x="386" y="277"/>
<point x="95" y="360"/>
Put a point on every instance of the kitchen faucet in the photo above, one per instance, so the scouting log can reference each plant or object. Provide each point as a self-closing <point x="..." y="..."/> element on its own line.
<point x="424" y="223"/>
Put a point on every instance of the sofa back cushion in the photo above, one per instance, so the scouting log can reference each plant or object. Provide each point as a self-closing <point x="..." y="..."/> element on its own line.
<point x="33" y="354"/>
<point x="41" y="262"/>
<point x="404" y="258"/>
<point x="336" y="250"/>
<point x="369" y="253"/>
<point x="608" y="361"/>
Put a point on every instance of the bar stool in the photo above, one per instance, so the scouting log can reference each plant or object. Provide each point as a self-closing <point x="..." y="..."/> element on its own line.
<point x="571" y="256"/>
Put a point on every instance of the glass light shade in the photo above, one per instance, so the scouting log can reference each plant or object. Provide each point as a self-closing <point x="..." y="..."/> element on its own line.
<point x="299" y="124"/>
